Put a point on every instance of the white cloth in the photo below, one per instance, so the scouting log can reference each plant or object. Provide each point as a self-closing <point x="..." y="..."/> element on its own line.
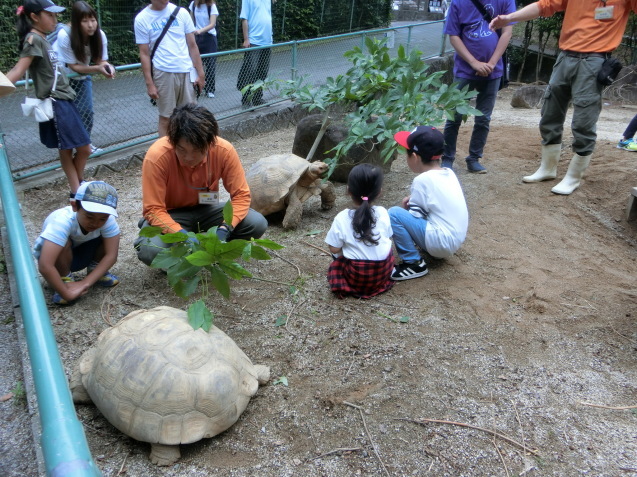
<point x="259" y="16"/>
<point x="172" y="55"/>
<point x="202" y="19"/>
<point x="439" y="194"/>
<point x="61" y="226"/>
<point x="341" y="235"/>
<point x="67" y="57"/>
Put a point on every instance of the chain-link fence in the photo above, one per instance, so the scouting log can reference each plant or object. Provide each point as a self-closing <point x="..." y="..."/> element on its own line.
<point x="291" y="20"/>
<point x="125" y="117"/>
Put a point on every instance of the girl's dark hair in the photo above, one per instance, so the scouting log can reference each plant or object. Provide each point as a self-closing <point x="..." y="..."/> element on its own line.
<point x="24" y="26"/>
<point x="365" y="181"/>
<point x="195" y="124"/>
<point x="80" y="11"/>
<point x="203" y="2"/>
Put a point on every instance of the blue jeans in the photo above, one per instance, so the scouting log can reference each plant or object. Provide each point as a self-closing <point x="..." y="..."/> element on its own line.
<point x="409" y="232"/>
<point x="84" y="101"/>
<point x="485" y="101"/>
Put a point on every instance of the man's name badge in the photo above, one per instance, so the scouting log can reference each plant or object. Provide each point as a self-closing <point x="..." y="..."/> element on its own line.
<point x="604" y="13"/>
<point x="208" y="197"/>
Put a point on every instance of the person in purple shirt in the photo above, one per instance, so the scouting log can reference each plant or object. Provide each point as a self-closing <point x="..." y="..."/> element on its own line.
<point x="477" y="63"/>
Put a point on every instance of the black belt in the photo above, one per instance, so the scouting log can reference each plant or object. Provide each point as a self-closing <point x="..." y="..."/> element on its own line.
<point x="577" y="54"/>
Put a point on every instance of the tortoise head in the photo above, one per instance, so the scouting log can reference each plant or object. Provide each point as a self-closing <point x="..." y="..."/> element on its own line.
<point x="317" y="169"/>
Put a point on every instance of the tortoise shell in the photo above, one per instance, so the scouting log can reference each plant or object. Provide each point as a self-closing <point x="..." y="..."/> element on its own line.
<point x="158" y="380"/>
<point x="272" y="178"/>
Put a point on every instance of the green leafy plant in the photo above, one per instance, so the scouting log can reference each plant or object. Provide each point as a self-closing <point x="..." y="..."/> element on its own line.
<point x="201" y="260"/>
<point x="19" y="394"/>
<point x="380" y="95"/>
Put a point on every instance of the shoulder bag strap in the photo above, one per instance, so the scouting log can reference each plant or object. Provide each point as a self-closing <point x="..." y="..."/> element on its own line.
<point x="163" y="32"/>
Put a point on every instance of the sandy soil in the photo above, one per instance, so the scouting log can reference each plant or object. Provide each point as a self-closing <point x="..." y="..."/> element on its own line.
<point x="534" y="317"/>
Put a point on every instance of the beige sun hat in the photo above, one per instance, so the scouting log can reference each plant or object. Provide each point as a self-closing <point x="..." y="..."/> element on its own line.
<point x="6" y="86"/>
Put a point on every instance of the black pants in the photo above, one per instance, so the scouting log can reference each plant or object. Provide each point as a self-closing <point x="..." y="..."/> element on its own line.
<point x="207" y="43"/>
<point x="256" y="64"/>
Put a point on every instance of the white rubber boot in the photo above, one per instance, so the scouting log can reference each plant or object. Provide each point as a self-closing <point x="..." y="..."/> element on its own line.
<point x="548" y="166"/>
<point x="573" y="176"/>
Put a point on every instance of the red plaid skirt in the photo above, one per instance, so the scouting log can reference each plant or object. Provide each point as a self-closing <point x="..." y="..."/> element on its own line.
<point x="360" y="278"/>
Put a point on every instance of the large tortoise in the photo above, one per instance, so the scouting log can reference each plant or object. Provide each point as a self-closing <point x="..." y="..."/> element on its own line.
<point x="285" y="181"/>
<point x="158" y="380"/>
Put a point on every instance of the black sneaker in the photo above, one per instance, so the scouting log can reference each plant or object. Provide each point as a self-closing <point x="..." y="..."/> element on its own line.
<point x="407" y="271"/>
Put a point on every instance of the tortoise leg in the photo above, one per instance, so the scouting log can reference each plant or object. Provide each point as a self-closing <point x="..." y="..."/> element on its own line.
<point x="328" y="195"/>
<point x="293" y="212"/>
<point x="161" y="454"/>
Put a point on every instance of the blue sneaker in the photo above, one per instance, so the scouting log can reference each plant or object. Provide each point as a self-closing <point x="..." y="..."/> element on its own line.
<point x="476" y="168"/>
<point x="448" y="163"/>
<point x="627" y="145"/>
<point x="107" y="280"/>
<point x="57" y="299"/>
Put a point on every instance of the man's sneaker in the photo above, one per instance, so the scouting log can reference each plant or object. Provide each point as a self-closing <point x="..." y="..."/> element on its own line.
<point x="96" y="150"/>
<point x="476" y="168"/>
<point x="57" y="299"/>
<point x="623" y="144"/>
<point x="407" y="271"/>
<point x="210" y="94"/>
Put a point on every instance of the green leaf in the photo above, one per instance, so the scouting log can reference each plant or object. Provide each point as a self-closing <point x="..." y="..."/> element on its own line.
<point x="228" y="213"/>
<point x="311" y="233"/>
<point x="164" y="259"/>
<point x="281" y="320"/>
<point x="282" y="380"/>
<point x="259" y="254"/>
<point x="404" y="319"/>
<point x="220" y="281"/>
<point x="149" y="231"/>
<point x="233" y="270"/>
<point x="269" y="244"/>
<point x="174" y="237"/>
<point x="199" y="316"/>
<point x="185" y="288"/>
<point x="181" y="269"/>
<point x="200" y="258"/>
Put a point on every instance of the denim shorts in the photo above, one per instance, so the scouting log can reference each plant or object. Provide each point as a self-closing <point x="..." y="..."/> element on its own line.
<point x="65" y="130"/>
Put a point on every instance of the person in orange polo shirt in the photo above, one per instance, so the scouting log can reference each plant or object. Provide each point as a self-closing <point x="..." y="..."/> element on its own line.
<point x="591" y="30"/>
<point x="180" y="183"/>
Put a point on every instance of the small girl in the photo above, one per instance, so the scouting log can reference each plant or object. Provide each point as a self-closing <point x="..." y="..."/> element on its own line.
<point x="37" y="18"/>
<point x="79" y="46"/>
<point x="360" y="239"/>
<point x="204" y="15"/>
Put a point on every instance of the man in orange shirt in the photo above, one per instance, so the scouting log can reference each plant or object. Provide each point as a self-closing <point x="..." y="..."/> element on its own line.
<point x="180" y="183"/>
<point x="590" y="32"/>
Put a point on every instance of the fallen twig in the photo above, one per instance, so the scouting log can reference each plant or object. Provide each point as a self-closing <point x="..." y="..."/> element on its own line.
<point x="317" y="248"/>
<point x="495" y="444"/>
<point x="615" y="408"/>
<point x="517" y="416"/>
<point x="337" y="451"/>
<point x="422" y="422"/>
<point x="106" y="317"/>
<point x="369" y="436"/>
<point x="298" y="270"/>
<point x="287" y="320"/>
<point x="123" y="463"/>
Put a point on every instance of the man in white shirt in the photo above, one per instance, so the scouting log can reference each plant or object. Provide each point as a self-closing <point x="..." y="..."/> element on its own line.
<point x="167" y="75"/>
<point x="256" y="24"/>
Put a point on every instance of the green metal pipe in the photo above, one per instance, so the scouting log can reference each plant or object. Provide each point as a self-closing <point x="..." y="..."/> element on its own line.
<point x="64" y="446"/>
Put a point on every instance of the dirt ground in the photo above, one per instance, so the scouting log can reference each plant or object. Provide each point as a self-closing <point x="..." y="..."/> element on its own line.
<point x="530" y="320"/>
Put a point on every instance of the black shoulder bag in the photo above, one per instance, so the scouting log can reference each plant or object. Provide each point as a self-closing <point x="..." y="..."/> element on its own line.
<point x="171" y="19"/>
<point x="504" y="81"/>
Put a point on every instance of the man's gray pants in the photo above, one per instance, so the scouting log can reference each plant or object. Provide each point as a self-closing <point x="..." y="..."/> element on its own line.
<point x="199" y="218"/>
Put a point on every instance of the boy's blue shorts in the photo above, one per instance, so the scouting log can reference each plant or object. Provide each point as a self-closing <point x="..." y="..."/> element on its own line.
<point x="65" y="130"/>
<point x="84" y="254"/>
